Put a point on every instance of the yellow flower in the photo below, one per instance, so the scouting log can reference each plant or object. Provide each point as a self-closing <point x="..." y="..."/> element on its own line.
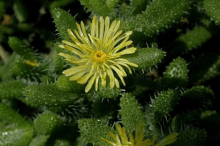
<point x="121" y="138"/>
<point x="97" y="54"/>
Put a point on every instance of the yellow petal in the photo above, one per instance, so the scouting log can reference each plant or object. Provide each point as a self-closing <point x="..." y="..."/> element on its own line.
<point x="112" y="143"/>
<point x="122" y="60"/>
<point x="83" y="29"/>
<point x="117" y="83"/>
<point x="112" y="136"/>
<point x="96" y="83"/>
<point x="120" y="68"/>
<point x="89" y="85"/>
<point x="110" y="31"/>
<point x="106" y="25"/>
<point x="103" y="78"/>
<point x="111" y="77"/>
<point x="85" y="78"/>
<point x="124" y="136"/>
<point x="72" y="36"/>
<point x="74" y="70"/>
<point x="79" y="29"/>
<point x="119" y="73"/>
<point x="123" y="64"/>
<point x="77" y="75"/>
<point x="125" y="35"/>
<point x="101" y="28"/>
<point x="127" y="51"/>
<point x="70" y="57"/>
<point x="118" y="128"/>
<point x="75" y="51"/>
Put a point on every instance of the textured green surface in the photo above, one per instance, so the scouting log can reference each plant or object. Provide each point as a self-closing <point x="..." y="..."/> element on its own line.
<point x="159" y="16"/>
<point x="176" y="74"/>
<point x="191" y="40"/>
<point x="46" y="123"/>
<point x="6" y="71"/>
<point x="63" y="83"/>
<point x="197" y="97"/>
<point x="39" y="140"/>
<point x="93" y="129"/>
<point x="49" y="96"/>
<point x="146" y="57"/>
<point x="175" y="87"/>
<point x="52" y="96"/>
<point x="191" y="137"/>
<point x="21" y="48"/>
<point x="131" y="112"/>
<point x="12" y="117"/>
<point x="165" y="102"/>
<point x="99" y="7"/>
<point x="17" y="137"/>
<point x="107" y="92"/>
<point x="64" y="21"/>
<point x="11" y="89"/>
<point x="212" y="9"/>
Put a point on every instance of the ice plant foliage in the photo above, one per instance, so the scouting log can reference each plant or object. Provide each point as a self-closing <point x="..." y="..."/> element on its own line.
<point x="121" y="138"/>
<point x="97" y="55"/>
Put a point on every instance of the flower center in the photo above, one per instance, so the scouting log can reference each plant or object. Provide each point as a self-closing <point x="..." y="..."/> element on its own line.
<point x="100" y="56"/>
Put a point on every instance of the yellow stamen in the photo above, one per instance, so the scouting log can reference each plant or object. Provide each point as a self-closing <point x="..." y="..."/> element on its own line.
<point x="100" y="56"/>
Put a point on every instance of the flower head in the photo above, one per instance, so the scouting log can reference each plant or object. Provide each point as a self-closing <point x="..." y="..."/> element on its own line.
<point x="97" y="55"/>
<point x="121" y="138"/>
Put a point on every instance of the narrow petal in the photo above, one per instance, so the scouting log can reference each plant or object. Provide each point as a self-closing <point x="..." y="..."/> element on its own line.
<point x="73" y="50"/>
<point x="119" y="73"/>
<point x="93" y="26"/>
<point x="131" y="137"/>
<point x="127" y="51"/>
<point x="125" y="35"/>
<point x="126" y="62"/>
<point x="116" y="27"/>
<point x="112" y="136"/>
<point x="118" y="128"/>
<point x="107" y="22"/>
<point x="77" y="75"/>
<point x="117" y="83"/>
<point x="120" y="68"/>
<point x="103" y="78"/>
<point x="83" y="29"/>
<point x="70" y="57"/>
<point x="97" y="83"/>
<point x="73" y="45"/>
<point x="79" y="29"/>
<point x="111" y="77"/>
<point x="74" y="70"/>
<point x="101" y="28"/>
<point x="112" y="143"/>
<point x="122" y="45"/>
<point x="96" y="28"/>
<point x="117" y="70"/>
<point x="123" y="64"/>
<point x="124" y="137"/>
<point x="72" y="36"/>
<point x="91" y="81"/>
<point x="115" y="36"/>
<point x="110" y="31"/>
<point x="84" y="78"/>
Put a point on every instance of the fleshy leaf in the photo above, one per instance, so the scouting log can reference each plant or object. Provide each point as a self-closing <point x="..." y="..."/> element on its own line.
<point x="131" y="111"/>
